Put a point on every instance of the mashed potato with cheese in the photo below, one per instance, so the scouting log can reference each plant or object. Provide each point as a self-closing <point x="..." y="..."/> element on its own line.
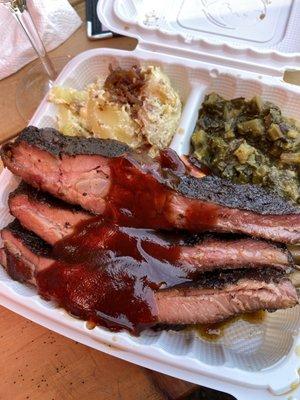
<point x="137" y="106"/>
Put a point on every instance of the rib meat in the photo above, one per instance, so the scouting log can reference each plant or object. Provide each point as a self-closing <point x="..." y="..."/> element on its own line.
<point x="53" y="220"/>
<point x="211" y="299"/>
<point x="223" y="296"/>
<point x="105" y="177"/>
<point x="24" y="254"/>
<point x="50" y="218"/>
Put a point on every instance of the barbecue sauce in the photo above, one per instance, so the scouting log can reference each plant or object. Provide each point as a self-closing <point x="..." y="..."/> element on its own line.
<point x="108" y="270"/>
<point x="136" y="196"/>
<point x="143" y="194"/>
<point x="107" y="274"/>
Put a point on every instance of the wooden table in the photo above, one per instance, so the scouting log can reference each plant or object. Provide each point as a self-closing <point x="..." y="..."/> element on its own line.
<point x="36" y="363"/>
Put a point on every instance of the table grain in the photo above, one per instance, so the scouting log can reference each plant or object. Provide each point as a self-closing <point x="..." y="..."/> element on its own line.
<point x="36" y="363"/>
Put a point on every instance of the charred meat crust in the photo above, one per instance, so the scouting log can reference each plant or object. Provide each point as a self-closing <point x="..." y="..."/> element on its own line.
<point x="50" y="140"/>
<point x="218" y="279"/>
<point x="34" y="243"/>
<point x="210" y="188"/>
<point x="247" y="197"/>
<point x="192" y="239"/>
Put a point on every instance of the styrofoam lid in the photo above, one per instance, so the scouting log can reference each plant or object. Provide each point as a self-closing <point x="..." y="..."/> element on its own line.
<point x="263" y="33"/>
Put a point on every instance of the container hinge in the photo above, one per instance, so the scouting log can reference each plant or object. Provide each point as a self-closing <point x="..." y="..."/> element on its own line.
<point x="210" y="58"/>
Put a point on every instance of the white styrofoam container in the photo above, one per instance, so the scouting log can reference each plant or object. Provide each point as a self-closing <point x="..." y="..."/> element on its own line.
<point x="250" y="361"/>
<point x="255" y="35"/>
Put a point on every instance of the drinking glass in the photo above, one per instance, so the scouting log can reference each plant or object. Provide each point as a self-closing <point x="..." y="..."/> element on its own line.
<point x="39" y="78"/>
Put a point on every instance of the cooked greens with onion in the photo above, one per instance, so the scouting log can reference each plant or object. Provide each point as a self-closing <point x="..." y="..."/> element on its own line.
<point x="249" y="141"/>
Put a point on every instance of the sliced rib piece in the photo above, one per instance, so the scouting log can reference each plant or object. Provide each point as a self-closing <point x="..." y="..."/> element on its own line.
<point x="225" y="295"/>
<point x="50" y="218"/>
<point x="79" y="290"/>
<point x="24" y="254"/>
<point x="53" y="220"/>
<point x="105" y="177"/>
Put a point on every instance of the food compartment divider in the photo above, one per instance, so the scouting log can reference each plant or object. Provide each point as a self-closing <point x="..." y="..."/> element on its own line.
<point x="188" y="119"/>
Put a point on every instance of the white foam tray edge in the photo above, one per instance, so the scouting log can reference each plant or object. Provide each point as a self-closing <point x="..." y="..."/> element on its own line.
<point x="201" y="77"/>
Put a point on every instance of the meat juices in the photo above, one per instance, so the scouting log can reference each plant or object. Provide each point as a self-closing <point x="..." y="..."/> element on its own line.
<point x="107" y="178"/>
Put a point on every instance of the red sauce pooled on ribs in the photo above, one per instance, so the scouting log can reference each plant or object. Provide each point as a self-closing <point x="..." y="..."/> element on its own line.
<point x="118" y="268"/>
<point x="111" y="273"/>
<point x="147" y="200"/>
